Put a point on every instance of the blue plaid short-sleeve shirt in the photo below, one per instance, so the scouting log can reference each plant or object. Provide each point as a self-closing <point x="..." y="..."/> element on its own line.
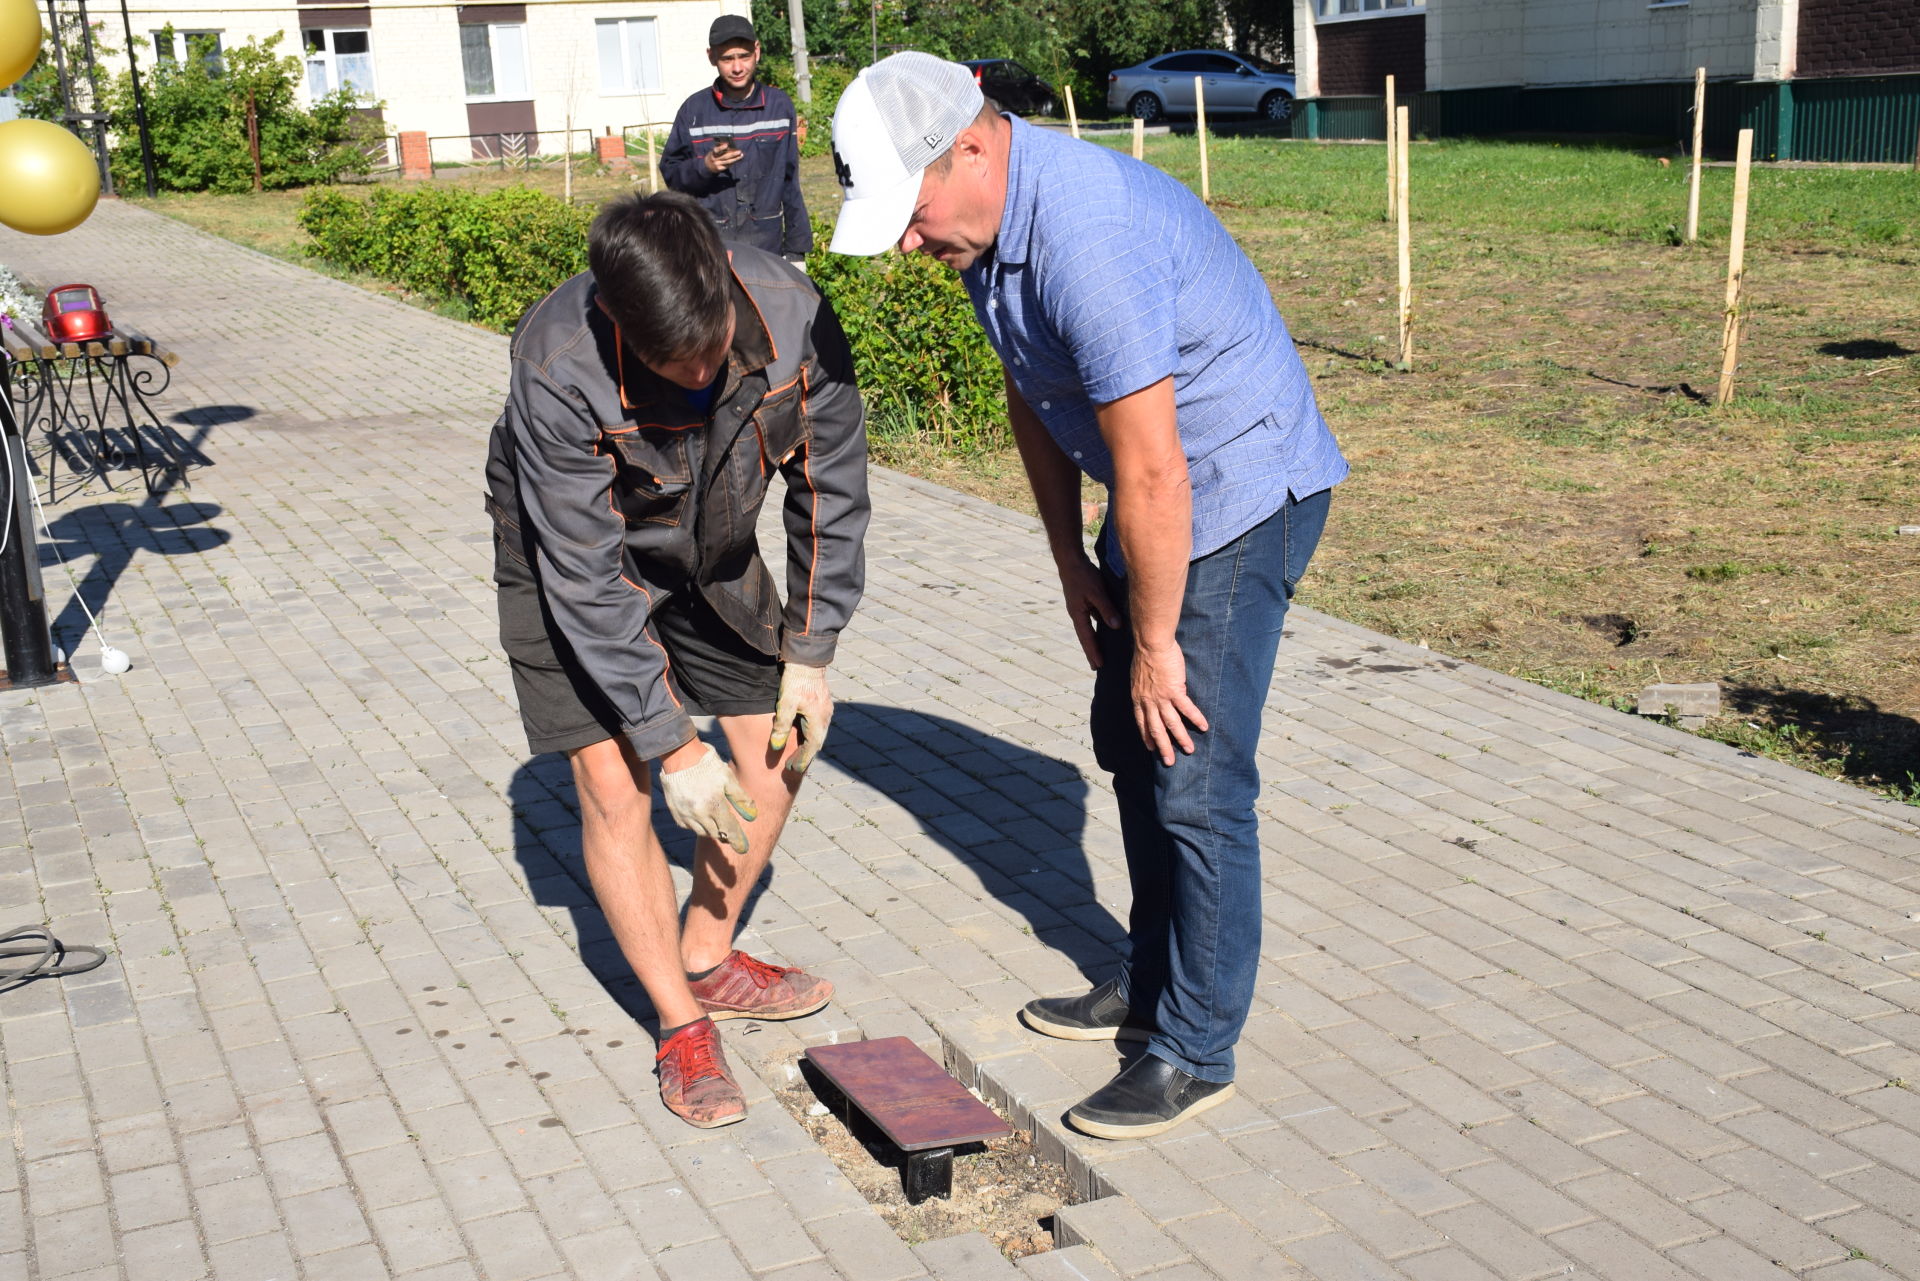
<point x="1109" y="276"/>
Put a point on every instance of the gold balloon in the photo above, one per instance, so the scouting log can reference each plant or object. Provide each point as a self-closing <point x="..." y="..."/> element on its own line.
<point x="19" y="39"/>
<point x="48" y="180"/>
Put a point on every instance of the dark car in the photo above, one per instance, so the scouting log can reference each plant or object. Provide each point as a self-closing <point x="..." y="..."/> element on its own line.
<point x="1012" y="86"/>
<point x="1236" y="84"/>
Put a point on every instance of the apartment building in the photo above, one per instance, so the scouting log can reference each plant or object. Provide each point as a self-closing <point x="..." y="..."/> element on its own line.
<point x="1815" y="79"/>
<point x="476" y="78"/>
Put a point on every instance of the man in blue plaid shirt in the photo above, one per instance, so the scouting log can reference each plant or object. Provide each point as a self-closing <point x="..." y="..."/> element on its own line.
<point x="1142" y="349"/>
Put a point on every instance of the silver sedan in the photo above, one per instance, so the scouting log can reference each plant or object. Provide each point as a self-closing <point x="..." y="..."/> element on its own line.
<point x="1235" y="85"/>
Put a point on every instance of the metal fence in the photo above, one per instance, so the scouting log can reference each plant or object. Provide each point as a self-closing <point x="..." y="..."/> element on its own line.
<point x="645" y="143"/>
<point x="510" y="149"/>
<point x="1862" y="119"/>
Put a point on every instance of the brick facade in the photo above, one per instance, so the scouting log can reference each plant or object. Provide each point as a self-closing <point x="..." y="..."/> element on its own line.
<point x="1357" y="57"/>
<point x="1858" y="37"/>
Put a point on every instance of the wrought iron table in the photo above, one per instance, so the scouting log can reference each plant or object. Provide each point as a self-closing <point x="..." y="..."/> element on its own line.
<point x="89" y="404"/>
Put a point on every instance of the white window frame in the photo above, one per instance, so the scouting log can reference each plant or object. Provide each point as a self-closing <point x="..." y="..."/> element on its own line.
<point x="1326" y="11"/>
<point x="632" y="86"/>
<point x="329" y="59"/>
<point x="493" y="52"/>
<point x="183" y="44"/>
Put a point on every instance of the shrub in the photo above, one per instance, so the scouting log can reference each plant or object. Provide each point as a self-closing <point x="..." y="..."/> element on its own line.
<point x="919" y="355"/>
<point x="830" y="80"/>
<point x="918" y="352"/>
<point x="197" y="117"/>
<point x="499" y="252"/>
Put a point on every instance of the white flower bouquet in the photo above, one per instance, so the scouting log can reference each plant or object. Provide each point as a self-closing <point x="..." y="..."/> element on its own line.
<point x="15" y="301"/>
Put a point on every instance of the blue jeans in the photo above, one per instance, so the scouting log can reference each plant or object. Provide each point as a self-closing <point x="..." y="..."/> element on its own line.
<point x="1190" y="832"/>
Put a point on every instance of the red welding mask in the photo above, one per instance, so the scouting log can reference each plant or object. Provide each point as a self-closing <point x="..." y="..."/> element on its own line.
<point x="75" y="313"/>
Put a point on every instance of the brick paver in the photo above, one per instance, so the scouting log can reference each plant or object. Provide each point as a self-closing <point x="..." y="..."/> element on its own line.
<point x="1546" y="990"/>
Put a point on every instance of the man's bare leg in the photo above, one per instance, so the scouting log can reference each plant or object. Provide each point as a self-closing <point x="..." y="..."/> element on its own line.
<point x="722" y="878"/>
<point x="628" y="869"/>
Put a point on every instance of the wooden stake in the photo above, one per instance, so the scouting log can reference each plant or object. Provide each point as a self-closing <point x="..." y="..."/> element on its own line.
<point x="1200" y="128"/>
<point x="1139" y="138"/>
<point x="1736" y="258"/>
<point x="1699" y="127"/>
<point x="1405" y="238"/>
<point x="1073" y="117"/>
<point x="1393" y="151"/>
<point x="253" y="137"/>
<point x="653" y="164"/>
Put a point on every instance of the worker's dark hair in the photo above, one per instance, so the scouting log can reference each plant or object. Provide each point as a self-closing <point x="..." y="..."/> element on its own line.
<point x="662" y="274"/>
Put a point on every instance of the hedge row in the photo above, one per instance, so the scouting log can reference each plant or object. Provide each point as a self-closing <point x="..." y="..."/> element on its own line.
<point x="921" y="359"/>
<point x="920" y="356"/>
<point x="498" y="252"/>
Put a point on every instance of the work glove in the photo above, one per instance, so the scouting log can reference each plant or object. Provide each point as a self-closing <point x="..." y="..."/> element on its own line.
<point x="706" y="797"/>
<point x="805" y="700"/>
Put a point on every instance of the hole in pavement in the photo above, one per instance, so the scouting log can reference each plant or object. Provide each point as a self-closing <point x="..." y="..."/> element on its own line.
<point x="1005" y="1189"/>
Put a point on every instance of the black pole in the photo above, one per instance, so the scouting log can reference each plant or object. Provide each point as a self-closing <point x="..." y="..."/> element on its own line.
<point x="99" y="117"/>
<point x="23" y="607"/>
<point x="139" y="107"/>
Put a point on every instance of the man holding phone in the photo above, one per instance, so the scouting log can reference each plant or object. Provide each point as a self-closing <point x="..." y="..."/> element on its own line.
<point x="733" y="149"/>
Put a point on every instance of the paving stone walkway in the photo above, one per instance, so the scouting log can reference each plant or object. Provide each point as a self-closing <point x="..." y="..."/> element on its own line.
<point x="1547" y="991"/>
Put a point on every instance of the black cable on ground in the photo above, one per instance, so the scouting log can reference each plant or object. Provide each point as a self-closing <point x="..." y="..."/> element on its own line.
<point x="49" y="953"/>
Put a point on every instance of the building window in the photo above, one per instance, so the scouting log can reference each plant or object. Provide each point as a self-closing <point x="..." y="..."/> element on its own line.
<point x="1364" y="8"/>
<point x="338" y="58"/>
<point x="629" y="55"/>
<point x="494" y="56"/>
<point x="174" y="46"/>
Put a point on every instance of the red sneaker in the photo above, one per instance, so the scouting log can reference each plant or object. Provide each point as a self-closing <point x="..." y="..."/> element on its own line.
<point x="743" y="988"/>
<point x="694" y="1081"/>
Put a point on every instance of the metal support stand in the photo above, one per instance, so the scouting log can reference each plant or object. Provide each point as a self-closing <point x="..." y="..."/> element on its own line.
<point x="92" y="412"/>
<point x="79" y="121"/>
<point x="23" y="603"/>
<point x="914" y="1102"/>
<point x="97" y="118"/>
<point x="928" y="1174"/>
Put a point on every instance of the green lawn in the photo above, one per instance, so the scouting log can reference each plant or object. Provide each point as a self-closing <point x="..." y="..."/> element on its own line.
<point x="1531" y="190"/>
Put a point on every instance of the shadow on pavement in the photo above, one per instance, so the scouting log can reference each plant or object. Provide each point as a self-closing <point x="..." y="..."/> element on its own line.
<point x="112" y="533"/>
<point x="215" y="415"/>
<point x="1013" y="817"/>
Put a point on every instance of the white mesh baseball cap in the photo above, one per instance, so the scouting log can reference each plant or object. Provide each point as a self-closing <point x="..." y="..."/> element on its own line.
<point x="896" y="118"/>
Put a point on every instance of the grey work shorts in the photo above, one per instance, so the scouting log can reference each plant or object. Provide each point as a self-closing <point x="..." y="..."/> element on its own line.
<point x="712" y="670"/>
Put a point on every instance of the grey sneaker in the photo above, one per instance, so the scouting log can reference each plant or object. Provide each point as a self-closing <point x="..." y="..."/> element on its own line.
<point x="1099" y="1015"/>
<point x="1149" y="1097"/>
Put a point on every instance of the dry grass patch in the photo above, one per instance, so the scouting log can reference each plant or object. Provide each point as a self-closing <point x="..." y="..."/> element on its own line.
<point x="1547" y="494"/>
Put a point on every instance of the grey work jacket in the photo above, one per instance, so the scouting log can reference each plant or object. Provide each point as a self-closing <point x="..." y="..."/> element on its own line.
<point x="618" y="493"/>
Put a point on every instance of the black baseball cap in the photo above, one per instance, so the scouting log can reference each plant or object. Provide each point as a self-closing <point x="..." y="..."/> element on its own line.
<point x="728" y="27"/>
